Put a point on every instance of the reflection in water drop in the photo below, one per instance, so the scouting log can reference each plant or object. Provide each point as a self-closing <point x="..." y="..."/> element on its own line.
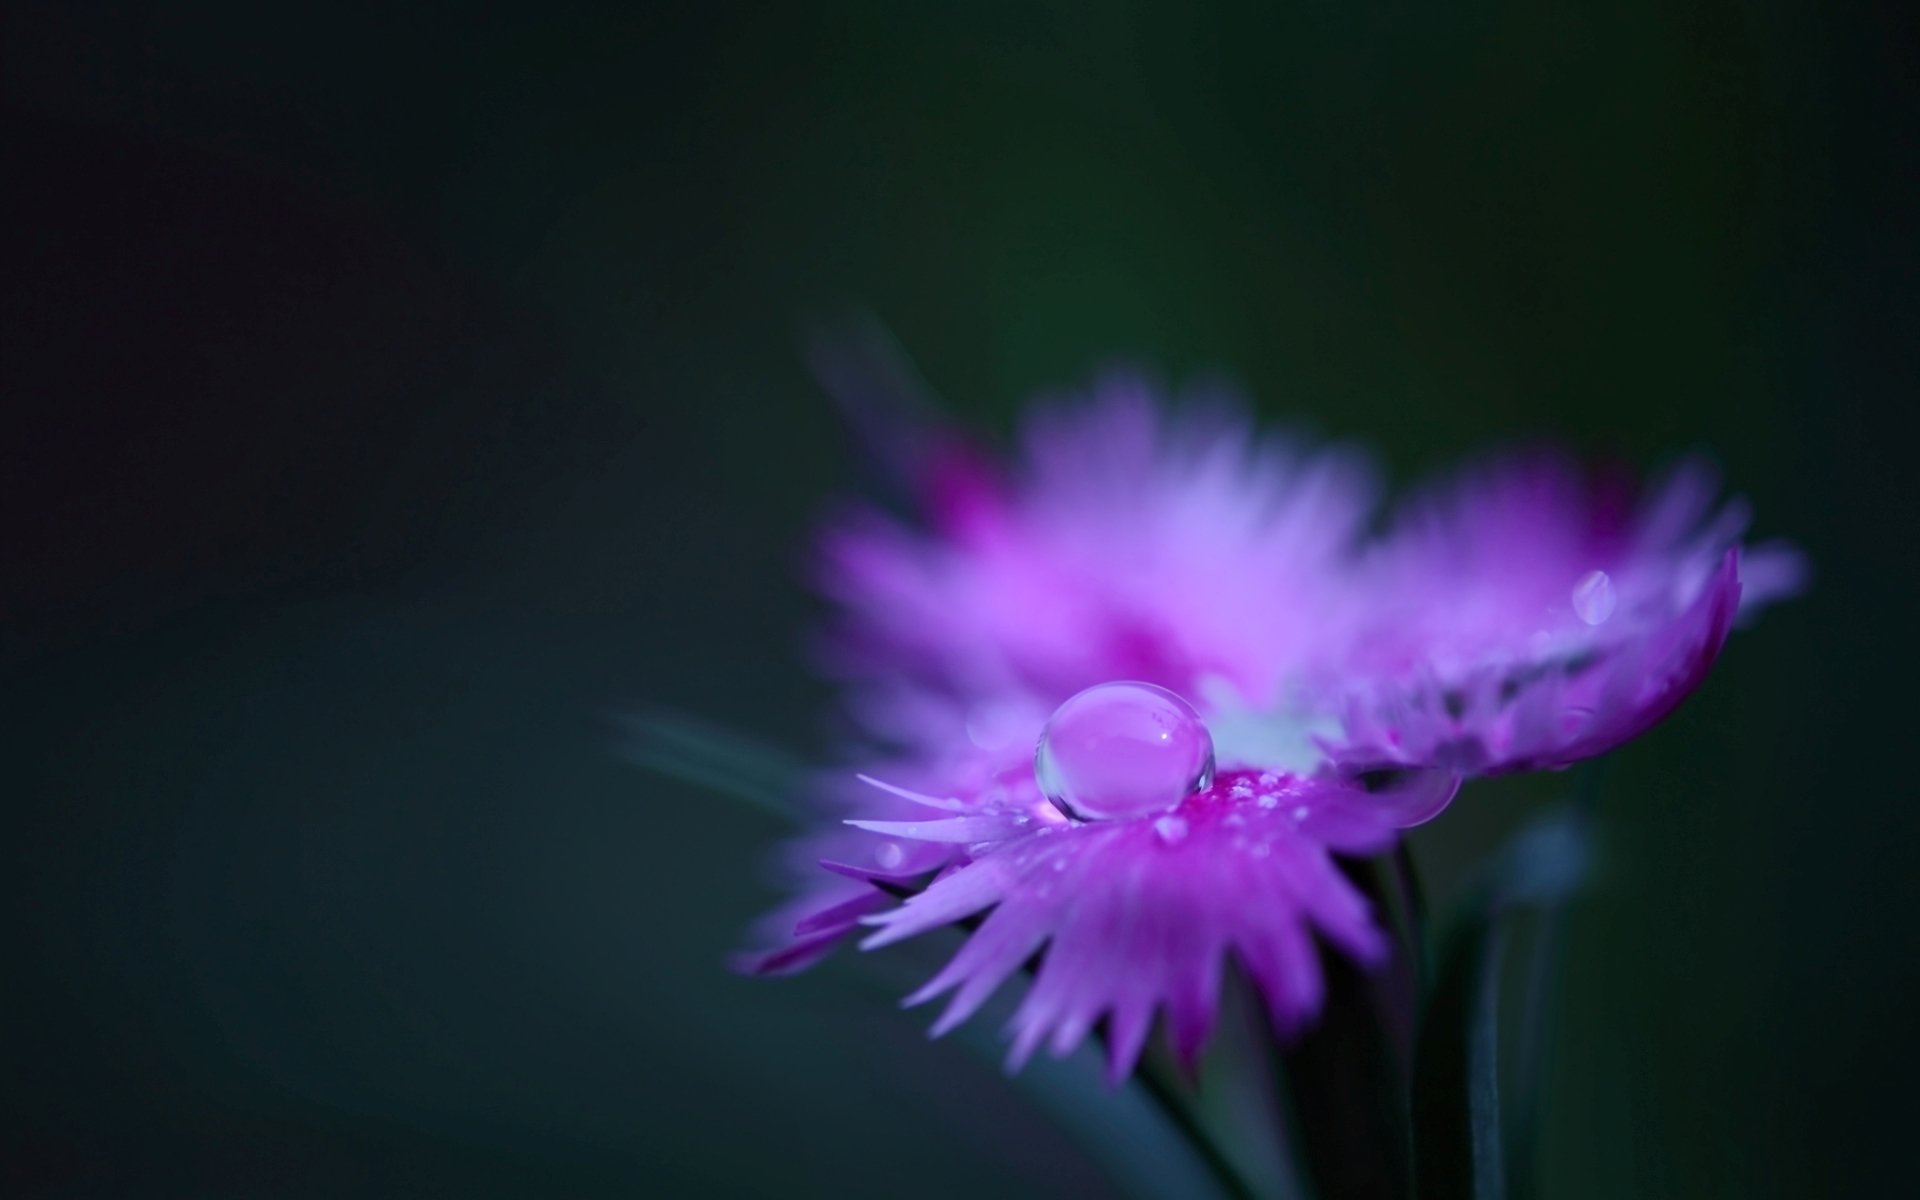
<point x="1593" y="597"/>
<point x="1123" y="750"/>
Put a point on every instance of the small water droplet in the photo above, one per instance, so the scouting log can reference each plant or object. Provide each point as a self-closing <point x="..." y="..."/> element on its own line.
<point x="889" y="855"/>
<point x="1593" y="597"/>
<point x="1300" y="812"/>
<point x="1171" y="829"/>
<point x="1268" y="801"/>
<point x="1268" y="779"/>
<point x="1123" y="750"/>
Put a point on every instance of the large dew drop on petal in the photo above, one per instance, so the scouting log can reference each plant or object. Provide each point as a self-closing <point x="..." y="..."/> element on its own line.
<point x="1123" y="750"/>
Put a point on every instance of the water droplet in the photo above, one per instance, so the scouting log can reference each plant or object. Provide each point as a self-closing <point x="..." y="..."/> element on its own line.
<point x="1171" y="829"/>
<point x="1300" y="812"/>
<point x="1268" y="779"/>
<point x="1268" y="801"/>
<point x="1593" y="597"/>
<point x="1123" y="750"/>
<point x="889" y="855"/>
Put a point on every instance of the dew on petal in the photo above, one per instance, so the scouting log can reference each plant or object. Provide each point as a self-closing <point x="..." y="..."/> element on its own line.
<point x="889" y="855"/>
<point x="1593" y="597"/>
<point x="1171" y="829"/>
<point x="1123" y="750"/>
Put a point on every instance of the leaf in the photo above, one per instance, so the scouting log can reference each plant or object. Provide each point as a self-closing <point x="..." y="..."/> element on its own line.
<point x="717" y="759"/>
<point x="1545" y="863"/>
<point x="882" y="397"/>
<point x="1564" y="842"/>
<point x="1144" y="1134"/>
<point x="1146" y="1149"/>
<point x="1459" y="1151"/>
<point x="1348" y="1074"/>
<point x="1237" y="1097"/>
<point x="1456" y="1093"/>
<point x="1529" y="1054"/>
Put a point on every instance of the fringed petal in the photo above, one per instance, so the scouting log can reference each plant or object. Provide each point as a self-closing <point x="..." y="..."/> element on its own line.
<point x="1129" y="919"/>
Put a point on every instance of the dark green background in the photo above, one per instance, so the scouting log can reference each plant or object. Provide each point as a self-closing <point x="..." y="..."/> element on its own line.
<point x="392" y="396"/>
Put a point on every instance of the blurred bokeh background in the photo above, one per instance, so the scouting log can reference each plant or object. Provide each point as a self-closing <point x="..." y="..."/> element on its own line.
<point x="393" y="394"/>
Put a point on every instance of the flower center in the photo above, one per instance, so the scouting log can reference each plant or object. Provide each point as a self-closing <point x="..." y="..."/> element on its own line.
<point x="1123" y="750"/>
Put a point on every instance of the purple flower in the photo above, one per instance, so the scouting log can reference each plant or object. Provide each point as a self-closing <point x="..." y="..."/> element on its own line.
<point x="1138" y="912"/>
<point x="1212" y="654"/>
<point x="1524" y="617"/>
